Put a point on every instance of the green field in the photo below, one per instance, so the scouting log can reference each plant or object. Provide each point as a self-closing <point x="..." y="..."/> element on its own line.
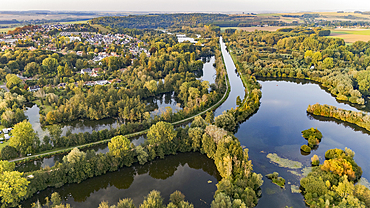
<point x="6" y="29"/>
<point x="74" y="22"/>
<point x="351" y="32"/>
<point x="103" y="29"/>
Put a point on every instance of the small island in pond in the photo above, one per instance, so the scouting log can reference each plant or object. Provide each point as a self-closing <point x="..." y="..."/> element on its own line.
<point x="313" y="136"/>
<point x="276" y="179"/>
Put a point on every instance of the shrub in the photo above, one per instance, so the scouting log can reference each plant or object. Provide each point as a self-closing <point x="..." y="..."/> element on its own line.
<point x="315" y="160"/>
<point x="306" y="148"/>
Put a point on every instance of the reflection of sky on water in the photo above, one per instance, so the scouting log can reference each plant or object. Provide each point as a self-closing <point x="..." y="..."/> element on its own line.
<point x="277" y="126"/>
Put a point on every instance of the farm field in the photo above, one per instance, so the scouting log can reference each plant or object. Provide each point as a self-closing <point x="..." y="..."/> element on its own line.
<point x="251" y="29"/>
<point x="351" y="35"/>
<point x="5" y="30"/>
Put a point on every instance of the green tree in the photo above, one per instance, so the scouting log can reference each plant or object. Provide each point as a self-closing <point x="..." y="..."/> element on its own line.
<point x="50" y="63"/>
<point x="316" y="57"/>
<point x="55" y="199"/>
<point x="24" y="138"/>
<point x="119" y="145"/>
<point x="153" y="200"/>
<point x="226" y="121"/>
<point x="177" y="197"/>
<point x="12" y="80"/>
<point x="142" y="155"/>
<point x="195" y="134"/>
<point x="161" y="133"/>
<point x="13" y="186"/>
<point x="328" y="63"/>
<point x="221" y="201"/>
<point x="209" y="117"/>
<point x="8" y="152"/>
<point x="151" y="86"/>
<point x="198" y="122"/>
<point x="125" y="203"/>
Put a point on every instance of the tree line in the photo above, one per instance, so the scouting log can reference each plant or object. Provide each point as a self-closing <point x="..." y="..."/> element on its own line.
<point x="359" y="118"/>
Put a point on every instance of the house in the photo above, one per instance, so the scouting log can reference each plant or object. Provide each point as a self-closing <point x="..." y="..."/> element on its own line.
<point x="89" y="83"/>
<point x="102" y="82"/>
<point x="6" y="136"/>
<point x="5" y="131"/>
<point x="94" y="74"/>
<point x="62" y="85"/>
<point x="98" y="58"/>
<point x="34" y="88"/>
<point x="79" y="53"/>
<point x="88" y="70"/>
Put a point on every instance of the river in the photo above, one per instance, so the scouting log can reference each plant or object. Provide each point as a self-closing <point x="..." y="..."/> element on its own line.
<point x="275" y="128"/>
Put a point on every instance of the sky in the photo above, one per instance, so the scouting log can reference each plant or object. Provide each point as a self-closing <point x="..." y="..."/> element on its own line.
<point x="186" y="5"/>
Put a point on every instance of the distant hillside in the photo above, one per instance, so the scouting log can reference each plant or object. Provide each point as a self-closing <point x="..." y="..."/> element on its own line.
<point x="154" y="21"/>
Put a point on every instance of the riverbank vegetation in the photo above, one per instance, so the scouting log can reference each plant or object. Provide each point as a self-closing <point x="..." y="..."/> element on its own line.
<point x="339" y="68"/>
<point x="333" y="182"/>
<point x="359" y="118"/>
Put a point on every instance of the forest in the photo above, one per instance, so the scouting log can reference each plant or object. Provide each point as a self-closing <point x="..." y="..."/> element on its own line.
<point x="155" y="21"/>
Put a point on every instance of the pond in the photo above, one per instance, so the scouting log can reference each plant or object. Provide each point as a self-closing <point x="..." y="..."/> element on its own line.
<point x="193" y="174"/>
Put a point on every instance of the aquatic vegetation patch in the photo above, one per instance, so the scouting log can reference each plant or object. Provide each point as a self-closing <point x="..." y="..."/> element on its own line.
<point x="282" y="162"/>
<point x="295" y="189"/>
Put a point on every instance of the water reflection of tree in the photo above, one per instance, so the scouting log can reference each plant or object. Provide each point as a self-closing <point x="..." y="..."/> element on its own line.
<point x="123" y="178"/>
<point x="345" y="124"/>
<point x="304" y="81"/>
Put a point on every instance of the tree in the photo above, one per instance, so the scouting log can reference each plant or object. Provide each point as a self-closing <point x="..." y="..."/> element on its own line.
<point x="8" y="152"/>
<point x="221" y="201"/>
<point x="55" y="132"/>
<point x="160" y="133"/>
<point x="328" y="63"/>
<point x="24" y="138"/>
<point x="12" y="80"/>
<point x="226" y="121"/>
<point x="315" y="160"/>
<point x="118" y="145"/>
<point x="195" y="134"/>
<point x="55" y="199"/>
<point x="75" y="156"/>
<point x="198" y="122"/>
<point x="142" y="155"/>
<point x="125" y="203"/>
<point x="153" y="200"/>
<point x="50" y="63"/>
<point x="177" y="197"/>
<point x="151" y="86"/>
<point x="209" y="117"/>
<point x="12" y="185"/>
<point x="316" y="57"/>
